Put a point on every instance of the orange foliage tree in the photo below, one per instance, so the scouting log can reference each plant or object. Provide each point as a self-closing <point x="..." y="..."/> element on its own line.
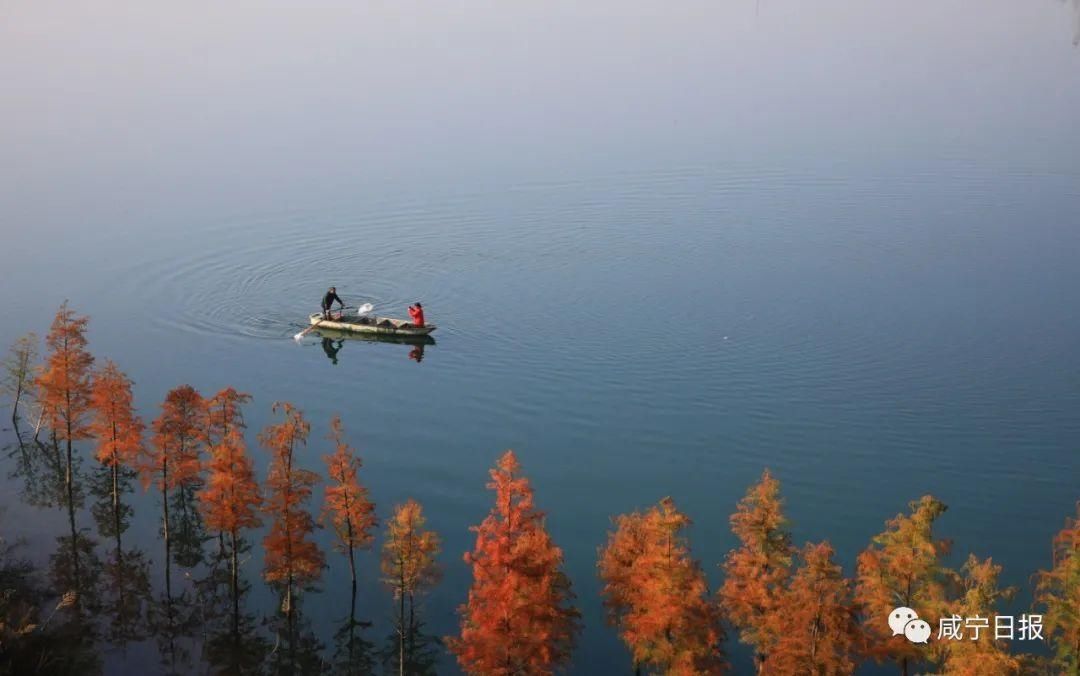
<point x="519" y="617"/>
<point x="1057" y="594"/>
<point x="409" y="569"/>
<point x="230" y="502"/>
<point x="758" y="572"/>
<point x="173" y="459"/>
<point x="64" y="389"/>
<point x="980" y="598"/>
<point x="902" y="569"/>
<point x="814" y="621"/>
<point x="224" y="415"/>
<point x="179" y="436"/>
<point x="292" y="560"/>
<point x="119" y="431"/>
<point x="347" y="507"/>
<point x="657" y="596"/>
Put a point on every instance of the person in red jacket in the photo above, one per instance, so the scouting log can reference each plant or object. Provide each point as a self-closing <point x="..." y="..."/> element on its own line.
<point x="417" y="314"/>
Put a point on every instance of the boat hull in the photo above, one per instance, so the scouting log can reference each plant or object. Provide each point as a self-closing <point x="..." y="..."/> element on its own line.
<point x="394" y="338"/>
<point x="381" y="326"/>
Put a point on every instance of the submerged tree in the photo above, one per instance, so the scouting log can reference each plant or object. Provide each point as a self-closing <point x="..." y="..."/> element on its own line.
<point x="75" y="573"/>
<point x="230" y="502"/>
<point x="292" y="559"/>
<point x="409" y="569"/>
<point x="519" y="617"/>
<point x="232" y="642"/>
<point x="64" y="389"/>
<point x="299" y="650"/>
<point x="119" y="433"/>
<point x="40" y="469"/>
<point x="1057" y="595"/>
<point x="126" y="595"/>
<point x="25" y="640"/>
<point x="656" y="594"/>
<point x="758" y="572"/>
<point x="347" y="508"/>
<point x="902" y="569"/>
<point x="231" y="656"/>
<point x="983" y="654"/>
<point x="173" y="461"/>
<point x="224" y="415"/>
<point x="189" y="532"/>
<point x="175" y="619"/>
<point x="351" y="514"/>
<point x="125" y="583"/>
<point x="815" y="621"/>
<point x="42" y="631"/>
<point x="17" y="378"/>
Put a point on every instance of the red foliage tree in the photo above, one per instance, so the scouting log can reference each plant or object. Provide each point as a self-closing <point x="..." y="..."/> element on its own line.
<point x="119" y="431"/>
<point x="173" y="460"/>
<point x="179" y="437"/>
<point x="64" y="389"/>
<point x="347" y="507"/>
<point x="758" y="572"/>
<point x="814" y="621"/>
<point x="292" y="559"/>
<point x="656" y="594"/>
<point x="230" y="502"/>
<point x="519" y="618"/>
<point x="223" y="414"/>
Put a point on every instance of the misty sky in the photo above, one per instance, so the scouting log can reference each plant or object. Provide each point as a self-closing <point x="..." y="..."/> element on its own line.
<point x="144" y="101"/>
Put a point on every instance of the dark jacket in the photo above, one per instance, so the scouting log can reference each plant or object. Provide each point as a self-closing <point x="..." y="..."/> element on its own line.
<point x="329" y="299"/>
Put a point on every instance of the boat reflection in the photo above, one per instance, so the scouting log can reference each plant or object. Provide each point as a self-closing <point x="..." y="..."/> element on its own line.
<point x="331" y="347"/>
<point x="334" y="341"/>
<point x="417" y="353"/>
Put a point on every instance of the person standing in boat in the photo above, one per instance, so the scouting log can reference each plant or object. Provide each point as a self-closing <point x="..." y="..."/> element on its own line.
<point x="328" y="302"/>
<point x="417" y="314"/>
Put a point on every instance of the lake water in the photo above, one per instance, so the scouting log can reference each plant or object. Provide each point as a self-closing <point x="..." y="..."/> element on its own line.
<point x="867" y="282"/>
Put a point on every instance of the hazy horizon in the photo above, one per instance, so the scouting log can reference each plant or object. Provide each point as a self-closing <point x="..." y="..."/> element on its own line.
<point x="121" y="107"/>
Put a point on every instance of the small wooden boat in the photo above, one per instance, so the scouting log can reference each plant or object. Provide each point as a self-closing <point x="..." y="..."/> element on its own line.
<point x="385" y="326"/>
<point x="397" y="339"/>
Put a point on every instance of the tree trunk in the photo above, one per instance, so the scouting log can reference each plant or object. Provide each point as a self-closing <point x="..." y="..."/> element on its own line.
<point x="165" y="531"/>
<point x="290" y="627"/>
<point x="412" y="627"/>
<point x="15" y="406"/>
<point x="116" y="503"/>
<point x="352" y="626"/>
<point x="40" y="420"/>
<point x="235" y="590"/>
<point x="401" y="625"/>
<point x="69" y="480"/>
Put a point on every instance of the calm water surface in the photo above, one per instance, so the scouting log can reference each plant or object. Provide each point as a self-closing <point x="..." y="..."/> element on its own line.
<point x="872" y="325"/>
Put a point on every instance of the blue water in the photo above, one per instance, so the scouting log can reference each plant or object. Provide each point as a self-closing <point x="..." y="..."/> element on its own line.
<point x="873" y="321"/>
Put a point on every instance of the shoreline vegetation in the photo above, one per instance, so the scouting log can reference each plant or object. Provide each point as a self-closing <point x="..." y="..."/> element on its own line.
<point x="81" y="443"/>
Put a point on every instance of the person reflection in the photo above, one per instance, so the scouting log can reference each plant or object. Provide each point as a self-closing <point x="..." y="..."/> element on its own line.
<point x="417" y="353"/>
<point x="331" y="348"/>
